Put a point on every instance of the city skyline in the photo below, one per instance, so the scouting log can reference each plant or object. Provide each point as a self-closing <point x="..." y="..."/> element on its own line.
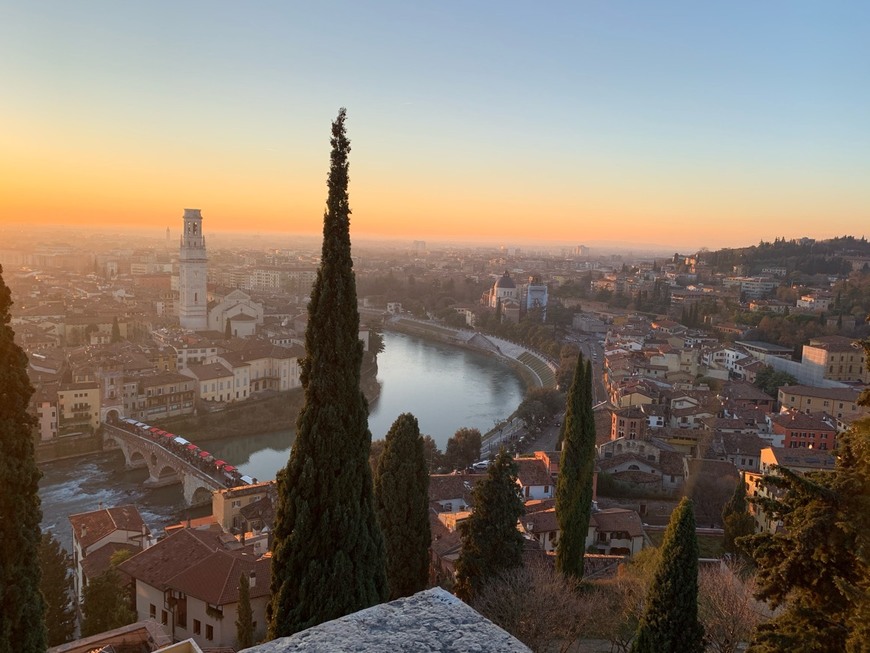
<point x="673" y="126"/>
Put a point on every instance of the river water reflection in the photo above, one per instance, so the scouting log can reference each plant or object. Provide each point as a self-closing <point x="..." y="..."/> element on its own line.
<point x="445" y="387"/>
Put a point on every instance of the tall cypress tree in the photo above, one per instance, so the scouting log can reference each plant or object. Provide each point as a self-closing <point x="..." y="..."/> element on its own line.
<point x="22" y="626"/>
<point x="116" y="330"/>
<point x="57" y="589"/>
<point x="245" y="614"/>
<point x="328" y="556"/>
<point x="670" y="620"/>
<point x="402" y="504"/>
<point x="491" y="541"/>
<point x="576" y="471"/>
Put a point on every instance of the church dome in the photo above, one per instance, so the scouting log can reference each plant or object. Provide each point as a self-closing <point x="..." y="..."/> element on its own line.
<point x="505" y="281"/>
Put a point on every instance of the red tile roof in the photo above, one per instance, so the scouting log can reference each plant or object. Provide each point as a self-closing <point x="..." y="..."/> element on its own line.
<point x="215" y="578"/>
<point x="172" y="555"/>
<point x="91" y="527"/>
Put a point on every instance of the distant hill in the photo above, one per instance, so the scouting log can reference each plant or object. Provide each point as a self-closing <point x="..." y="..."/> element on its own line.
<point x="804" y="256"/>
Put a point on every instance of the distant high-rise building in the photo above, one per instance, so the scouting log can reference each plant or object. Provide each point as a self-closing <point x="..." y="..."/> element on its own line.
<point x="167" y="234"/>
<point x="419" y="246"/>
<point x="192" y="274"/>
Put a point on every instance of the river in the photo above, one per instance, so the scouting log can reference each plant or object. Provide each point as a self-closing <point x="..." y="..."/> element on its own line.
<point x="445" y="387"/>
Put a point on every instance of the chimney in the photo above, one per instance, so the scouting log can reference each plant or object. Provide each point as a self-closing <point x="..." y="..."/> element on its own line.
<point x="253" y="580"/>
<point x="84" y="532"/>
<point x="144" y="543"/>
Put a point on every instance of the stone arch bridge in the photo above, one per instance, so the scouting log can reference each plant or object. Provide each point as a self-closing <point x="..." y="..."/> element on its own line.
<point x="164" y="466"/>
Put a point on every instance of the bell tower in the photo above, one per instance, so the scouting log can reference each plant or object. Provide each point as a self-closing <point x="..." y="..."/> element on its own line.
<point x="192" y="274"/>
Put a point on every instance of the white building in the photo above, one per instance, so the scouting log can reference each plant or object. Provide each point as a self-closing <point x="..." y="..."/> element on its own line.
<point x="243" y="313"/>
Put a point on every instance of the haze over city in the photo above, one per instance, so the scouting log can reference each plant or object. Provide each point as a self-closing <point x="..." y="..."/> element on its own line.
<point x="668" y="124"/>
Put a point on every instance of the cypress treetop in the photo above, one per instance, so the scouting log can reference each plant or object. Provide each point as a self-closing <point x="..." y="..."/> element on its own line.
<point x="22" y="627"/>
<point x="491" y="542"/>
<point x="328" y="556"/>
<point x="670" y="620"/>
<point x="402" y="504"/>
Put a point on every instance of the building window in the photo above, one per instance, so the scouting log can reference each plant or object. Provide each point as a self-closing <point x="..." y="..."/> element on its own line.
<point x="197" y="627"/>
<point x="152" y="611"/>
<point x="164" y="617"/>
<point x="209" y="632"/>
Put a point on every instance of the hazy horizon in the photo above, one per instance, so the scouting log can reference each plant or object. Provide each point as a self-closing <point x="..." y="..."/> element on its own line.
<point x="663" y="125"/>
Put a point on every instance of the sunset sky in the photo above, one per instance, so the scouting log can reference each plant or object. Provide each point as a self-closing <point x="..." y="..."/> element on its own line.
<point x="660" y="122"/>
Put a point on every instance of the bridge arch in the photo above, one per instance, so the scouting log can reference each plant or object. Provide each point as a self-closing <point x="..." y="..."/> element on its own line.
<point x="166" y="471"/>
<point x="137" y="459"/>
<point x="201" y="495"/>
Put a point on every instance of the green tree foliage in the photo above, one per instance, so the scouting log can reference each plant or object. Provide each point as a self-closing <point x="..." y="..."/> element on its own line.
<point x="228" y="329"/>
<point x="328" y="557"/>
<point x="432" y="454"/>
<point x="105" y="604"/>
<point x="770" y="381"/>
<point x="375" y="453"/>
<point x="245" y="615"/>
<point x="463" y="448"/>
<point x="402" y="507"/>
<point x="21" y="604"/>
<point x="736" y="519"/>
<point x="491" y="542"/>
<point x="57" y="590"/>
<point x="817" y="567"/>
<point x="116" y="330"/>
<point x="576" y="470"/>
<point x="670" y="619"/>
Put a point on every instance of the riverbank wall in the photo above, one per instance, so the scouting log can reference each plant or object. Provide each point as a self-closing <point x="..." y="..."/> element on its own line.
<point x="67" y="447"/>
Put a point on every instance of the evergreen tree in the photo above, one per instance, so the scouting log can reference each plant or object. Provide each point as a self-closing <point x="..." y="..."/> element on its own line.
<point x="57" y="590"/>
<point x="328" y="551"/>
<point x="116" y="330"/>
<point x="670" y="619"/>
<point x="402" y="504"/>
<point x="736" y="518"/>
<point x="105" y="604"/>
<point x="576" y="470"/>
<point x="245" y="615"/>
<point x="817" y="567"/>
<point x="228" y="329"/>
<point x="22" y="628"/>
<point x="491" y="542"/>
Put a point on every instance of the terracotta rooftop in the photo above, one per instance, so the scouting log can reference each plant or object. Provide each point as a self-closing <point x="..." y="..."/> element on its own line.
<point x="99" y="561"/>
<point x="532" y="471"/>
<point x="612" y="520"/>
<point x="837" y="394"/>
<point x="803" y="458"/>
<point x="215" y="578"/>
<point x="172" y="555"/>
<point x="210" y="371"/>
<point x="542" y="521"/>
<point x="794" y="419"/>
<point x="91" y="527"/>
<point x="444" y="487"/>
